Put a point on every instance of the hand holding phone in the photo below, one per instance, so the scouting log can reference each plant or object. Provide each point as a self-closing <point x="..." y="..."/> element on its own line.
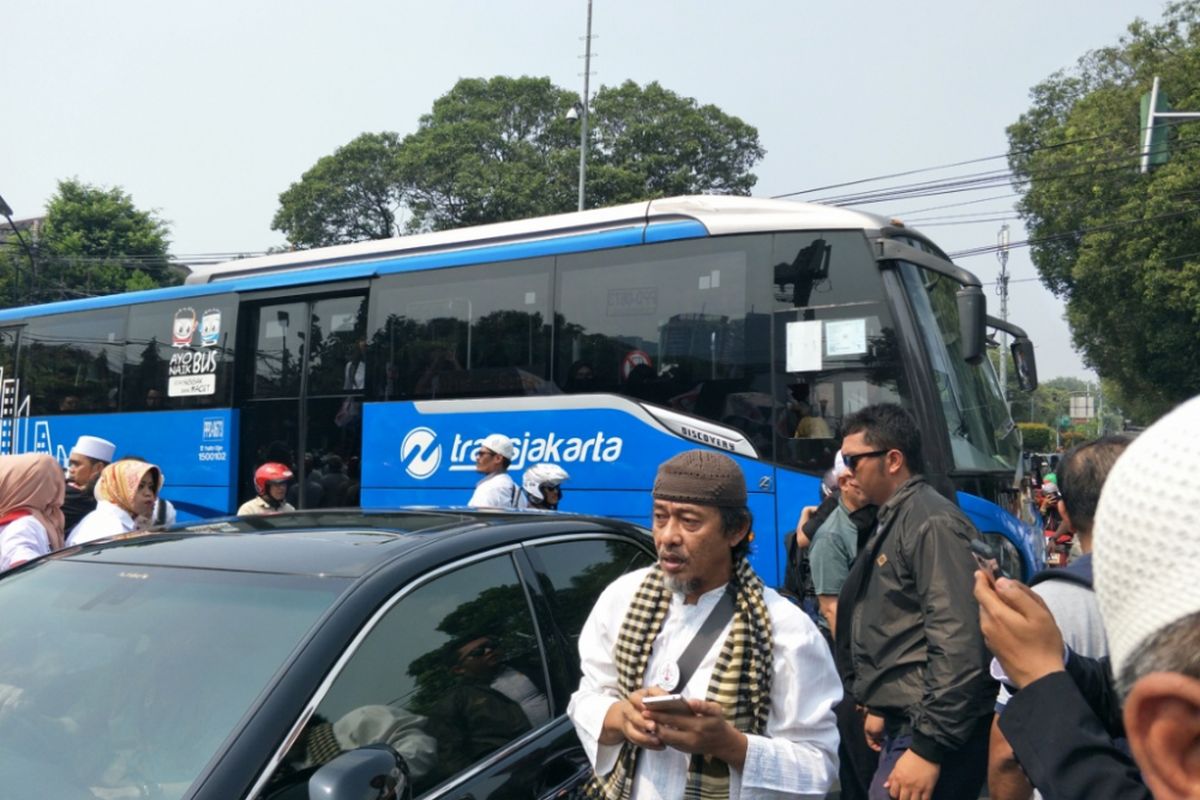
<point x="670" y="703"/>
<point x="986" y="558"/>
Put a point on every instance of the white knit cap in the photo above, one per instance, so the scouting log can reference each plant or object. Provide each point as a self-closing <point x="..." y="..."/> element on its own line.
<point x="1146" y="535"/>
<point x="95" y="447"/>
<point x="499" y="444"/>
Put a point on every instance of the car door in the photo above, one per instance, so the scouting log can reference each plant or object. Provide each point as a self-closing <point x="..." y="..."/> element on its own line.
<point x="569" y="573"/>
<point x="452" y="676"/>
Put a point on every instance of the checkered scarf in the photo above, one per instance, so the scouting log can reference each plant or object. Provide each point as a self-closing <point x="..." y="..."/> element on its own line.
<point x="741" y="679"/>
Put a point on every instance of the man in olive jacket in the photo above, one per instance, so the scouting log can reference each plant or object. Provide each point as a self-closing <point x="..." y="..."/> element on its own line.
<point x="915" y="657"/>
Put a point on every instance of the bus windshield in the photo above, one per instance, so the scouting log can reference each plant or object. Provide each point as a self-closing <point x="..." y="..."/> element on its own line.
<point x="982" y="434"/>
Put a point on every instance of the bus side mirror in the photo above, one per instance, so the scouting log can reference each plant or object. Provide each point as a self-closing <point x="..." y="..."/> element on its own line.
<point x="972" y="322"/>
<point x="1025" y="363"/>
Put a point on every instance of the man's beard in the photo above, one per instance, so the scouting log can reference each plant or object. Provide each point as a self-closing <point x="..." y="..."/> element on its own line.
<point x="684" y="586"/>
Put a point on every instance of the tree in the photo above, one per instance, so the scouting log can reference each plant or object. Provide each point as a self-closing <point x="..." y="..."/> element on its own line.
<point x="499" y="149"/>
<point x="94" y="241"/>
<point x="1120" y="247"/>
<point x="349" y="196"/>
<point x="650" y="142"/>
<point x="490" y="151"/>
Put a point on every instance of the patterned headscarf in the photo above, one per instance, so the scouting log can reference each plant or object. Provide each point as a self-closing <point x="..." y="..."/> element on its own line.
<point x="34" y="483"/>
<point x="119" y="482"/>
<point x="740" y="683"/>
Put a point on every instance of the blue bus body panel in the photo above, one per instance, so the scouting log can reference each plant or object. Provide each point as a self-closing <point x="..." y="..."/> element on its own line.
<point x="991" y="518"/>
<point x="415" y="456"/>
<point x="627" y="236"/>
<point x="196" y="450"/>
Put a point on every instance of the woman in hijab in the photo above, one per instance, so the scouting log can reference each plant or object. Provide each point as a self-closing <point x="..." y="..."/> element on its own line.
<point x="126" y="491"/>
<point x="32" y="488"/>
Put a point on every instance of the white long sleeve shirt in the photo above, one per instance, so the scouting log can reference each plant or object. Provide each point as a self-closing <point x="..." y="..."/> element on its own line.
<point x="108" y="519"/>
<point x="22" y="540"/>
<point x="495" y="491"/>
<point x="798" y="754"/>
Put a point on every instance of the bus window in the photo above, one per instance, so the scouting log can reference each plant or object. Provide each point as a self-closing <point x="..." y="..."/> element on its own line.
<point x="337" y="359"/>
<point x="179" y="355"/>
<point x="836" y="349"/>
<point x="479" y="331"/>
<point x="673" y="324"/>
<point x="72" y="362"/>
<point x="8" y="354"/>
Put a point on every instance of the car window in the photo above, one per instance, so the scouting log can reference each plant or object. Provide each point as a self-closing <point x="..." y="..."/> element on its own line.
<point x="450" y="674"/>
<point x="573" y="574"/>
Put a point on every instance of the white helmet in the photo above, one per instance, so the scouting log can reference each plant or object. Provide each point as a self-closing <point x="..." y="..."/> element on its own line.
<point x="540" y="474"/>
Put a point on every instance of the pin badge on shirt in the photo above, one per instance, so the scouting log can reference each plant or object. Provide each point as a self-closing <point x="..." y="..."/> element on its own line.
<point x="881" y="560"/>
<point x="667" y="676"/>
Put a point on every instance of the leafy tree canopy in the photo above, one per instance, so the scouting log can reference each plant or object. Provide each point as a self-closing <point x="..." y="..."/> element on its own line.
<point x="499" y="149"/>
<point x="349" y="196"/>
<point x="1120" y="247"/>
<point x="93" y="241"/>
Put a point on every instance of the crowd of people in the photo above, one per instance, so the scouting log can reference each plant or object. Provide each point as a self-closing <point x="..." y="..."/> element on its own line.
<point x="952" y="675"/>
<point x="920" y="673"/>
<point x="42" y="509"/>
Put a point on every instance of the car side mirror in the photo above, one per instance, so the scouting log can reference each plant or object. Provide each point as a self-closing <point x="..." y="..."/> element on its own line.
<point x="372" y="772"/>
<point x="1026" y="365"/>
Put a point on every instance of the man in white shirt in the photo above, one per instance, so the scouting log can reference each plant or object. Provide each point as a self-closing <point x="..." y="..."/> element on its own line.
<point x="766" y="667"/>
<point x="496" y="489"/>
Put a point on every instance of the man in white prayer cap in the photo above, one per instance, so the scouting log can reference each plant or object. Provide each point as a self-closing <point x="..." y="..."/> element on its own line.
<point x="88" y="458"/>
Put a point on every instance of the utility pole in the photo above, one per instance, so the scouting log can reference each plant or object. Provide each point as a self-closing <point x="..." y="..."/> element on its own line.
<point x="1002" y="290"/>
<point x="583" y="127"/>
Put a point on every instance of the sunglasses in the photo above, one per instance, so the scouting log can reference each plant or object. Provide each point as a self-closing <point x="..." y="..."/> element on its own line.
<point x="851" y="460"/>
<point x="479" y="651"/>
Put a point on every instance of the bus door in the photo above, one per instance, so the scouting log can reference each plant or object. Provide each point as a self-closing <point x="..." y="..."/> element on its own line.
<point x="302" y="403"/>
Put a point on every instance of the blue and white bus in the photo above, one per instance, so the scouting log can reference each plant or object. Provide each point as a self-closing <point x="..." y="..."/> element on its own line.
<point x="604" y="341"/>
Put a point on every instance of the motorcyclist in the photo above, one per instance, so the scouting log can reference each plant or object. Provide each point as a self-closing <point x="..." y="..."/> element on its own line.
<point x="271" y="485"/>
<point x="541" y="487"/>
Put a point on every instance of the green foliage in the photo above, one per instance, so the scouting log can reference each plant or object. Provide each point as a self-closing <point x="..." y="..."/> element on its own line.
<point x="650" y="142"/>
<point x="349" y="196"/>
<point x="94" y="241"/>
<point x="499" y="149"/>
<point x="1120" y="247"/>
<point x="490" y="151"/>
<point x="1036" y="437"/>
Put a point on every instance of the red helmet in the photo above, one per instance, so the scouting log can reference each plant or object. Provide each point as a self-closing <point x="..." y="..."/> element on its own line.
<point x="271" y="472"/>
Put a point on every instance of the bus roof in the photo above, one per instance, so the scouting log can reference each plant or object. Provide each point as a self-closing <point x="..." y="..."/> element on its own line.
<point x="626" y="225"/>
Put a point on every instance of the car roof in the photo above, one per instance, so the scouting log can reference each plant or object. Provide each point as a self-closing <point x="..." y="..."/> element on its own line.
<point x="335" y="542"/>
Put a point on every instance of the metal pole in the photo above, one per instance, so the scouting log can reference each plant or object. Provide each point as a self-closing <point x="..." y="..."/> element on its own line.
<point x="583" y="128"/>
<point x="1002" y="290"/>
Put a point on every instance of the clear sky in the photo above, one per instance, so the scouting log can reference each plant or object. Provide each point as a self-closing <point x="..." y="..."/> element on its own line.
<point x="205" y="112"/>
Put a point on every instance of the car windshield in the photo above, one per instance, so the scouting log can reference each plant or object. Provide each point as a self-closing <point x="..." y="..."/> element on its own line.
<point x="118" y="680"/>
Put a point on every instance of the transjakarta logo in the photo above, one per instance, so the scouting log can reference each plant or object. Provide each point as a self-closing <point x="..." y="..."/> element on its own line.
<point x="421" y="455"/>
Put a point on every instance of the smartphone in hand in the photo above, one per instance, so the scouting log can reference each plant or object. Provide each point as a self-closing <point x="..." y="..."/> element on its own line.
<point x="671" y="703"/>
<point x="986" y="558"/>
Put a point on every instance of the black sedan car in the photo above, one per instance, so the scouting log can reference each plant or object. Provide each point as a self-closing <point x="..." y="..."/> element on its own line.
<point x="316" y="654"/>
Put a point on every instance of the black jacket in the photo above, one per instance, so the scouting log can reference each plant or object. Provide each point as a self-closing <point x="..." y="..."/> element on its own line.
<point x="77" y="504"/>
<point x="915" y="652"/>
<point x="1061" y="729"/>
